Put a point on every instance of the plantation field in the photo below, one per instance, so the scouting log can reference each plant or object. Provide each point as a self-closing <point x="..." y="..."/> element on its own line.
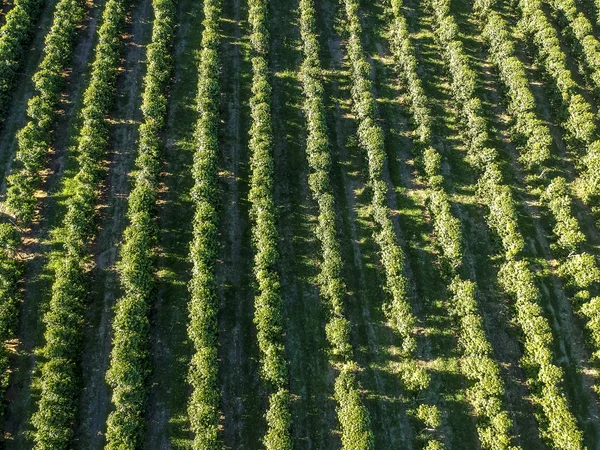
<point x="300" y="224"/>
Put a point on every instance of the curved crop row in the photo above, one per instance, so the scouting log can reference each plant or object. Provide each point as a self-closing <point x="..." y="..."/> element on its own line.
<point x="578" y="268"/>
<point x="14" y="36"/>
<point x="268" y="304"/>
<point x="203" y="407"/>
<point x="352" y="414"/>
<point x="371" y="139"/>
<point x="446" y="226"/>
<point x="487" y="391"/>
<point x="579" y="119"/>
<point x="34" y="139"/>
<point x="128" y="369"/>
<point x="57" y="405"/>
<point x="557" y="423"/>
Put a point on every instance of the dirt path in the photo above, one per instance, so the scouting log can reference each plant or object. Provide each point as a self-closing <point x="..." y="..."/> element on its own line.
<point x="243" y="399"/>
<point x="95" y="401"/>
<point x="170" y="351"/>
<point x="311" y="378"/>
<point x="38" y="241"/>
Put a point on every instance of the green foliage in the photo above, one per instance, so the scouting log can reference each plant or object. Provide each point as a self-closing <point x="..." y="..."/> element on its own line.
<point x="129" y="367"/>
<point x="57" y="406"/>
<point x="580" y="29"/>
<point x="398" y="310"/>
<point x="580" y="271"/>
<point x="370" y="137"/>
<point x="502" y="215"/>
<point x="406" y="62"/>
<point x="279" y="421"/>
<point x="434" y="445"/>
<point x="203" y="407"/>
<point x="557" y="422"/>
<point x="268" y="304"/>
<point x="34" y="139"/>
<point x="11" y="269"/>
<point x="354" y="418"/>
<point x="486" y="392"/>
<point x="447" y="226"/>
<point x="579" y="117"/>
<point x="532" y="135"/>
<point x="577" y="113"/>
<point x="591" y="310"/>
<point x="16" y="33"/>
<point x="331" y="284"/>
<point x="566" y="228"/>
<point x="429" y="415"/>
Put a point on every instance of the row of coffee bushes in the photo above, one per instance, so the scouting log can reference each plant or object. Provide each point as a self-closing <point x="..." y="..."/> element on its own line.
<point x="574" y="264"/>
<point x="11" y="269"/>
<point x="34" y="140"/>
<point x="398" y="311"/>
<point x="528" y="130"/>
<point x="268" y="303"/>
<point x="14" y="36"/>
<point x="352" y="414"/>
<point x="581" y="31"/>
<point x="128" y="369"/>
<point x="575" y="113"/>
<point x="203" y="406"/>
<point x="447" y="227"/>
<point x="486" y="392"/>
<point x="559" y="426"/>
<point x="60" y="378"/>
<point x="577" y="268"/>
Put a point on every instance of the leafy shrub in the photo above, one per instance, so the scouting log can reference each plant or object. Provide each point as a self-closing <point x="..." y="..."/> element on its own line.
<point x="11" y="269"/>
<point x="129" y="367"/>
<point x="34" y="139"/>
<point x="60" y="381"/>
<point x="203" y="406"/>
<point x="268" y="304"/>
<point x="331" y="284"/>
<point x="559" y="426"/>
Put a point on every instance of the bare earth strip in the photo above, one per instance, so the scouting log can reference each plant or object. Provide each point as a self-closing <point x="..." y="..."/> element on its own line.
<point x="243" y="400"/>
<point x="374" y="340"/>
<point x="95" y="401"/>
